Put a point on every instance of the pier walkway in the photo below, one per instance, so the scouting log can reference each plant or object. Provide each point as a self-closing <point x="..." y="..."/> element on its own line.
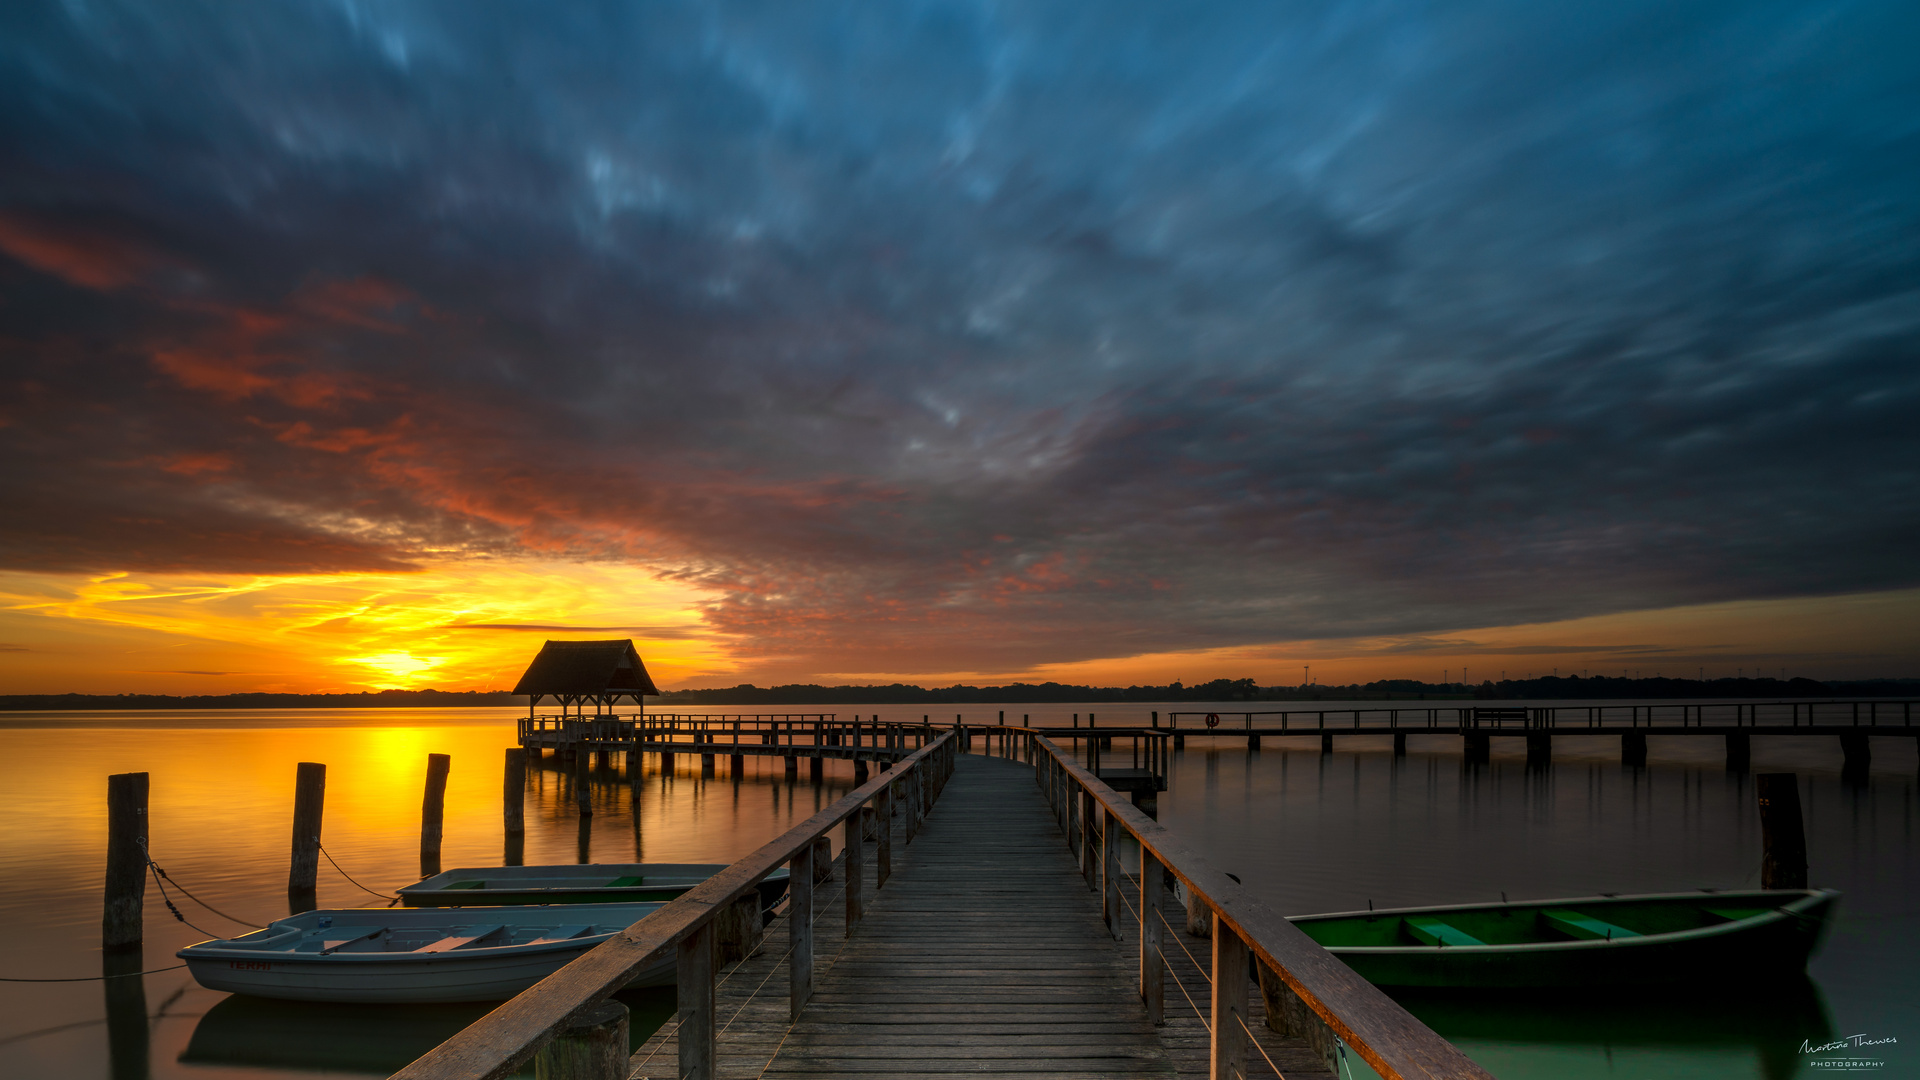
<point x="990" y="927"/>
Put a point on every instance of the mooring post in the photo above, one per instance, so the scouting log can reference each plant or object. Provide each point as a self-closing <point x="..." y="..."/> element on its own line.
<point x="124" y="921"/>
<point x="800" y="932"/>
<point x="1399" y="744"/>
<point x="854" y="846"/>
<point x="1633" y="748"/>
<point x="1227" y="1058"/>
<point x="1153" y="966"/>
<point x="1783" y="837"/>
<point x="590" y="1047"/>
<point x="433" y="813"/>
<point x="1739" y="751"/>
<point x="513" y="792"/>
<point x="1858" y="752"/>
<point x="309" y="803"/>
<point x="697" y="1034"/>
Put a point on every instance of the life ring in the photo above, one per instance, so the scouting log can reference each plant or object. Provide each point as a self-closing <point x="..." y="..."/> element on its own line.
<point x="1213" y="719"/>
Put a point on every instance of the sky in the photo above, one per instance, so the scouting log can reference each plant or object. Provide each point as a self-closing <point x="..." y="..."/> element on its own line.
<point x="350" y="345"/>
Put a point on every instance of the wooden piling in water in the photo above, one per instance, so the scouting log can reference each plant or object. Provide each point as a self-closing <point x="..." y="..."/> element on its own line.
<point x="1857" y="750"/>
<point x="513" y="792"/>
<point x="1739" y="751"/>
<point x="592" y="1047"/>
<point x="582" y="786"/>
<point x="1633" y="748"/>
<point x="1783" y="837"/>
<point x="1399" y="744"/>
<point x="309" y="806"/>
<point x="433" y="812"/>
<point x="123" y="922"/>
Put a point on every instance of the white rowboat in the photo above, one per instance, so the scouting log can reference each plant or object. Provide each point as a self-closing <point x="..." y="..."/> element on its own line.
<point x="413" y="955"/>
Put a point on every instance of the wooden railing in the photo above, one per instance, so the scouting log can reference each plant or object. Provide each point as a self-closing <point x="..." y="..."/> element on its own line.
<point x="576" y="997"/>
<point x="1307" y="990"/>
<point x="779" y="729"/>
<point x="1781" y="716"/>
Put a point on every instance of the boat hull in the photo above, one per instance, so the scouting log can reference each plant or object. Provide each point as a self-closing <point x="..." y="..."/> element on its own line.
<point x="1766" y="944"/>
<point x="592" y="883"/>
<point x="269" y="963"/>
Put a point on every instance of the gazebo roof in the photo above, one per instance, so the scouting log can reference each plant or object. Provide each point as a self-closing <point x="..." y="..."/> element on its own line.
<point x="590" y="669"/>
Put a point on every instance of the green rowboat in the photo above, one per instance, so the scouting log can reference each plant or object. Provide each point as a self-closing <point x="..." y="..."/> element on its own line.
<point x="1585" y="941"/>
<point x="585" y="883"/>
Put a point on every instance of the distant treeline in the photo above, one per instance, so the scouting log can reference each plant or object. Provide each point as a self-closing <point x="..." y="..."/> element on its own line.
<point x="1570" y="686"/>
<point x="1550" y="687"/>
<point x="376" y="699"/>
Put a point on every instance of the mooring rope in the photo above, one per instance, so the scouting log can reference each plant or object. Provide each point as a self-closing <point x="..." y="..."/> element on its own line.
<point x="97" y="978"/>
<point x="148" y="855"/>
<point x="349" y="877"/>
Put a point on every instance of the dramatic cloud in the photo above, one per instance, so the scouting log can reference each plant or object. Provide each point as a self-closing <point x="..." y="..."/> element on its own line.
<point x="964" y="336"/>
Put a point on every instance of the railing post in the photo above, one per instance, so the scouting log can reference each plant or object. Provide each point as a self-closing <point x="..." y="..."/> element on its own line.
<point x="1110" y="872"/>
<point x="855" y="852"/>
<point x="1153" y="966"/>
<point x="883" y="858"/>
<point x="912" y="793"/>
<point x="1071" y="809"/>
<point x="697" y="1033"/>
<point x="1227" y="1057"/>
<point x="800" y="929"/>
<point x="593" y="1047"/>
<point x="1089" y="869"/>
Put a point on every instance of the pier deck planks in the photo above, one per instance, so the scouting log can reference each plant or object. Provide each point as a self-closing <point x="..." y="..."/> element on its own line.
<point x="984" y="955"/>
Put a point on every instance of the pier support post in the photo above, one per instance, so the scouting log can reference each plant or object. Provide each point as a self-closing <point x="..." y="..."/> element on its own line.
<point x="1110" y="872"/>
<point x="513" y="792"/>
<point x="123" y="924"/>
<point x="1179" y="740"/>
<point x="1783" y="837"/>
<point x="853" y="844"/>
<point x="433" y="809"/>
<point x="860" y="772"/>
<point x="1153" y="966"/>
<point x="1857" y="751"/>
<point x="1253" y="740"/>
<point x="1227" y="1057"/>
<point x="706" y="765"/>
<point x="1539" y="749"/>
<point x="1633" y="748"/>
<point x="816" y="768"/>
<point x="698" y="1035"/>
<point x="592" y="1047"/>
<point x="793" y="768"/>
<point x="737" y="930"/>
<point x="303" y="869"/>
<point x="582" y="786"/>
<point x="1399" y="744"/>
<point x="883" y="834"/>
<point x="1326" y="742"/>
<point x="800" y="930"/>
<point x="1479" y="747"/>
<point x="1288" y="1015"/>
<point x="1739" y="751"/>
<point x="737" y="764"/>
<point x="666" y="763"/>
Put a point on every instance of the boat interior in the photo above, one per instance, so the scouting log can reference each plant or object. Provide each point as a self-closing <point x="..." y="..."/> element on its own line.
<point x="1522" y="924"/>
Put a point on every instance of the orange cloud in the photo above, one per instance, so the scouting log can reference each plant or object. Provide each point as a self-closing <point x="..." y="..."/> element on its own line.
<point x="89" y="259"/>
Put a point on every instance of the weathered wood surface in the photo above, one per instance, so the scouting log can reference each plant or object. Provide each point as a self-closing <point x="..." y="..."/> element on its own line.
<point x="985" y="953"/>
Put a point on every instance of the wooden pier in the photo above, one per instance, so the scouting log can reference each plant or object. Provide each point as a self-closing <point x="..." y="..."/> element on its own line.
<point x="1003" y="937"/>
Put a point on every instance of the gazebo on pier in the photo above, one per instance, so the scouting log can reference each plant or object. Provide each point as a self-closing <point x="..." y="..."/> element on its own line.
<point x="576" y="673"/>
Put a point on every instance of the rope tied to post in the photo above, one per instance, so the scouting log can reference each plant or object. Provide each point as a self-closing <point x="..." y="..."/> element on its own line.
<point x="384" y="896"/>
<point x="162" y="879"/>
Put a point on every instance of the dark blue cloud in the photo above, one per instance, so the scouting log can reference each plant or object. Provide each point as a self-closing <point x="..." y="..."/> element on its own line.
<point x="1046" y="331"/>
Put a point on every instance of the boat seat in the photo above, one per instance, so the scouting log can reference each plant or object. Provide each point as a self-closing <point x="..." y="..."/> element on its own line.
<point x="350" y="934"/>
<point x="561" y="933"/>
<point x="1585" y="927"/>
<point x="1431" y="931"/>
<point x="447" y="943"/>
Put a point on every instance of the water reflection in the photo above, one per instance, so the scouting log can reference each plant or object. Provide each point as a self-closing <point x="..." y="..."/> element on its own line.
<point x="126" y="1015"/>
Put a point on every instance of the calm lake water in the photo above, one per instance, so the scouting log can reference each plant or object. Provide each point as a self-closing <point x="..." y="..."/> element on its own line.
<point x="1312" y="832"/>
